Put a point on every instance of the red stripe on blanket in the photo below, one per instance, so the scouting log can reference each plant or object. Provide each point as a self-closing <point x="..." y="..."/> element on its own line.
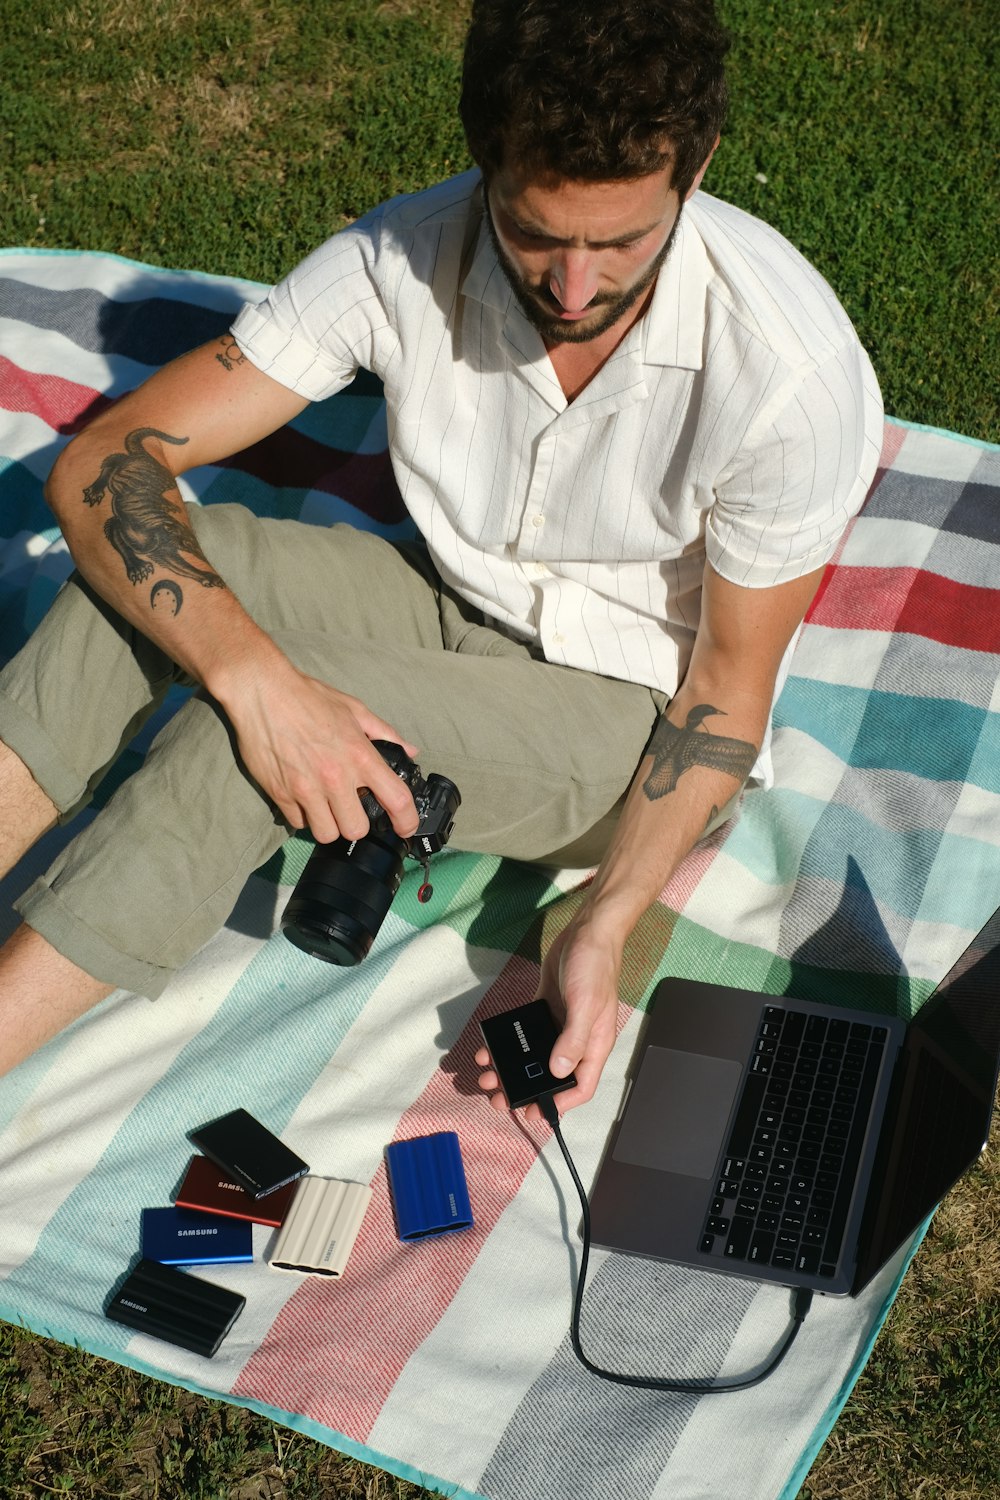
<point x="893" y="438"/>
<point x="913" y="601"/>
<point x="61" y="404"/>
<point x="335" y="1352"/>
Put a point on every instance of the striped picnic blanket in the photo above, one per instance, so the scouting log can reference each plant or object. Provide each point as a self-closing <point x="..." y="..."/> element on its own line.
<point x="858" y="879"/>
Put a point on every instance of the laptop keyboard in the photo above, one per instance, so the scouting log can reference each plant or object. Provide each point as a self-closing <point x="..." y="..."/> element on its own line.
<point x="787" y="1174"/>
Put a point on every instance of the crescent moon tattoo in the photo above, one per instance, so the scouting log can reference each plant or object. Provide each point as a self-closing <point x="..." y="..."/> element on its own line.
<point x="167" y="595"/>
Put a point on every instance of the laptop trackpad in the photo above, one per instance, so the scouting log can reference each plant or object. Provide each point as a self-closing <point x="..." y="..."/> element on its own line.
<point x="677" y="1112"/>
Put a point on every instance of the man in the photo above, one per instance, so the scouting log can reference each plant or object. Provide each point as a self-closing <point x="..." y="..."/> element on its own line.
<point x="630" y="424"/>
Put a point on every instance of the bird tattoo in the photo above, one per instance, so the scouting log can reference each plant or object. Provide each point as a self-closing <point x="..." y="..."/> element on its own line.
<point x="675" y="750"/>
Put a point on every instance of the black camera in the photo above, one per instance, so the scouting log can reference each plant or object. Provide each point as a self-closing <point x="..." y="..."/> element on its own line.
<point x="347" y="887"/>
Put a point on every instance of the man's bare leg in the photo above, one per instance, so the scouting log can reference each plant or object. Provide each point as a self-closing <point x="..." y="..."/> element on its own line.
<point x="40" y="993"/>
<point x="26" y="812"/>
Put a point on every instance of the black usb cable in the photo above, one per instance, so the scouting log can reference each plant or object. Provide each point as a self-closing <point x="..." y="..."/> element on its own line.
<point x="803" y="1300"/>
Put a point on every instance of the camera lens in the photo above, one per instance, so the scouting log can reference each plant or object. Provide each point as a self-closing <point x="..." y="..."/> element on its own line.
<point x="342" y="897"/>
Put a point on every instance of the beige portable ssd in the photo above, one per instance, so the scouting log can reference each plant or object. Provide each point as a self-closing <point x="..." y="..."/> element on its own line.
<point x="320" y="1227"/>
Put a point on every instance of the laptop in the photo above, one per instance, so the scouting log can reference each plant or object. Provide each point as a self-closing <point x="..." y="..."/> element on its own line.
<point x="794" y="1142"/>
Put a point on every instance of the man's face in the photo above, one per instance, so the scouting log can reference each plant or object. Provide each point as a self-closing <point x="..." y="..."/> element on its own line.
<point x="580" y="256"/>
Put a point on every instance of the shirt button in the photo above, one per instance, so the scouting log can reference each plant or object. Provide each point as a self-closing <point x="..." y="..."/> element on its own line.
<point x="558" y="639"/>
<point x="538" y="521"/>
<point x="540" y="570"/>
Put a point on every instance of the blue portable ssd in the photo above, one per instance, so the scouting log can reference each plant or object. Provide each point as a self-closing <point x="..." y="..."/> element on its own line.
<point x="184" y="1237"/>
<point x="429" y="1191"/>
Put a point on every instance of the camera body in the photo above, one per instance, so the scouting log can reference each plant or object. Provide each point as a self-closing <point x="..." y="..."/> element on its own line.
<point x="346" y="888"/>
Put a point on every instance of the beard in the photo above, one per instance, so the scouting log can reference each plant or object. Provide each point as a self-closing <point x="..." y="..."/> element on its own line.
<point x="542" y="309"/>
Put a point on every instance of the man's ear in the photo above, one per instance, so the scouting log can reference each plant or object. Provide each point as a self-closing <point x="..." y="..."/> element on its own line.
<point x="701" y="171"/>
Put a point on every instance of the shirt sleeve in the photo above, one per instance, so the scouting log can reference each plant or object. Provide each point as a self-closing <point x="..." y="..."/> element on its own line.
<point x="801" y="474"/>
<point x="325" y="320"/>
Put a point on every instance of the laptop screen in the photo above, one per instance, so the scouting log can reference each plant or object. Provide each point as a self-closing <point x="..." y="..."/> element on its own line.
<point x="938" y="1117"/>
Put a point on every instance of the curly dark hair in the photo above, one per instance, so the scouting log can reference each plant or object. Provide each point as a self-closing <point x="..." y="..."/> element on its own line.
<point x="594" y="90"/>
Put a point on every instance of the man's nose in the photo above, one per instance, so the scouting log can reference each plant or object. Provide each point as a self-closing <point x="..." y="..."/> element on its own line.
<point x="573" y="279"/>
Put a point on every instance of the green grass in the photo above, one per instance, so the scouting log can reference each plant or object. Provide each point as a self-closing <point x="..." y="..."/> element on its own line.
<point x="231" y="137"/>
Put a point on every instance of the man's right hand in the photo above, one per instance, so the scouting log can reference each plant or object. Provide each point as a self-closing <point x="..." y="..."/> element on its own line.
<point x="309" y="748"/>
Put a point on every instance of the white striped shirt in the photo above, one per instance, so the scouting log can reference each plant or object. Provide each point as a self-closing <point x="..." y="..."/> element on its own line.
<point x="739" y="418"/>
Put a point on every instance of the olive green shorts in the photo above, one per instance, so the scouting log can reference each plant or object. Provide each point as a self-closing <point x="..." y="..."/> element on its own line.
<point x="542" y="754"/>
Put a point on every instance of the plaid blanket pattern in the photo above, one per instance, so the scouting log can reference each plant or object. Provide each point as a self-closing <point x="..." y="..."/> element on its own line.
<point x="860" y="876"/>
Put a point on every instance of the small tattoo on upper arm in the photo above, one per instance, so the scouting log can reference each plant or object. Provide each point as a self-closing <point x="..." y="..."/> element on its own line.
<point x="231" y="354"/>
<point x="145" y="528"/>
<point x="675" y="750"/>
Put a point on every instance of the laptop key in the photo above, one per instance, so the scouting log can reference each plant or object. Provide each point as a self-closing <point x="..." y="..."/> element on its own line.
<point x="761" y="1248"/>
<point x="738" y="1242"/>
<point x="793" y="1028"/>
<point x="707" y="1242"/>
<point x="808" y="1261"/>
<point x="782" y="1260"/>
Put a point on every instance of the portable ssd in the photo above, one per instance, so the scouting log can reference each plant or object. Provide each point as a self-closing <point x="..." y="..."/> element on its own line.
<point x="520" y="1043"/>
<point x="180" y="1309"/>
<point x="248" y="1152"/>
<point x="429" y="1191"/>
<point x="322" y="1224"/>
<point x="184" y="1237"/>
<point x="207" y="1188"/>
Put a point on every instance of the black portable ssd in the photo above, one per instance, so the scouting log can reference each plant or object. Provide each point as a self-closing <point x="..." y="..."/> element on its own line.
<point x="249" y="1152"/>
<point x="180" y="1309"/>
<point x="520" y="1043"/>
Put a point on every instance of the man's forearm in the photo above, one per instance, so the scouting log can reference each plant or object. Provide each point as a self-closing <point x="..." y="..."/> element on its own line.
<point x="129" y="533"/>
<point x="692" y="767"/>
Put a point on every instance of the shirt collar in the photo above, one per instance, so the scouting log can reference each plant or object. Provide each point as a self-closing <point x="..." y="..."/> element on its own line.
<point x="674" y="323"/>
<point x="675" y="318"/>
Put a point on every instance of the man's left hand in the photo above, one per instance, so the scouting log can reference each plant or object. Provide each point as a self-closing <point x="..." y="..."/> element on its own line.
<point x="579" y="979"/>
